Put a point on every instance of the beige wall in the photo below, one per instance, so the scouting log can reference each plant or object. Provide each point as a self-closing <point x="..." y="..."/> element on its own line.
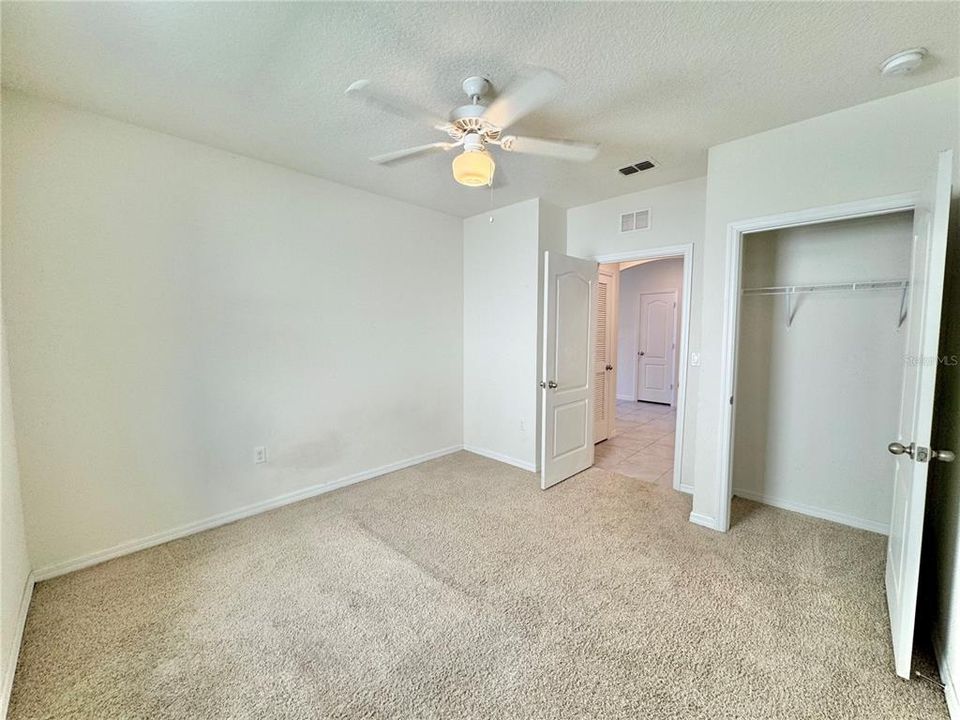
<point x="677" y="218"/>
<point x="171" y="306"/>
<point x="876" y="149"/>
<point x="822" y="377"/>
<point x="502" y="324"/>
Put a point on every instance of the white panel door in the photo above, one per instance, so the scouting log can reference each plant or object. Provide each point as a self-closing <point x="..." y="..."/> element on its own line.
<point x="604" y="353"/>
<point x="916" y="409"/>
<point x="566" y="395"/>
<point x="655" y="357"/>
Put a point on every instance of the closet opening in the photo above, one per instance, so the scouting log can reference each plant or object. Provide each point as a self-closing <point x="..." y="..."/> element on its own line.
<point x="820" y="346"/>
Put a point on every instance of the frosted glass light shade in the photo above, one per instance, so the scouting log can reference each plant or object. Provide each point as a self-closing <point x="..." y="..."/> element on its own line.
<point x="473" y="168"/>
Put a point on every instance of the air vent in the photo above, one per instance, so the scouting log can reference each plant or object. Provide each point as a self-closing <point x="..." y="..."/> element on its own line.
<point x="637" y="167"/>
<point x="639" y="220"/>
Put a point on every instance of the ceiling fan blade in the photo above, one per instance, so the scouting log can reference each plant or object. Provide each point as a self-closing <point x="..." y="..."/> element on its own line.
<point x="562" y="149"/>
<point x="392" y="157"/>
<point x="522" y="97"/>
<point x="395" y="105"/>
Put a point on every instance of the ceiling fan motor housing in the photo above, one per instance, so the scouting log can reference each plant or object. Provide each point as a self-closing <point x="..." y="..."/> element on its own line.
<point x="469" y="119"/>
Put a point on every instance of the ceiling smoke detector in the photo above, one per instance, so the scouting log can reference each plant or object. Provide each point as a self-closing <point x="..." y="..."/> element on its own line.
<point x="903" y="63"/>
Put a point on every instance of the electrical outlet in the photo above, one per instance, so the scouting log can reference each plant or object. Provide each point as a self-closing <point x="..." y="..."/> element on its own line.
<point x="259" y="455"/>
<point x="695" y="359"/>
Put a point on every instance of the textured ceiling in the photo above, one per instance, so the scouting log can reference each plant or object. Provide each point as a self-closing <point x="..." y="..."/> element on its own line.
<point x="660" y="80"/>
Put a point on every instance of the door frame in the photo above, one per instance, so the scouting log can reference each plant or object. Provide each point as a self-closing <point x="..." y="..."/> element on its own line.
<point x="676" y="319"/>
<point x="870" y="207"/>
<point x="664" y="252"/>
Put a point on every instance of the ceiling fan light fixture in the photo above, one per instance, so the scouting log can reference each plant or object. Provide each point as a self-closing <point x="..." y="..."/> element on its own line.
<point x="474" y="168"/>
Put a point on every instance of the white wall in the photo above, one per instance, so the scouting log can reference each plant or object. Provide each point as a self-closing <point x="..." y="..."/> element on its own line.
<point x="879" y="148"/>
<point x="677" y="218"/>
<point x="655" y="276"/>
<point x="170" y="306"/>
<point x="14" y="563"/>
<point x="502" y="263"/>
<point x="819" y="378"/>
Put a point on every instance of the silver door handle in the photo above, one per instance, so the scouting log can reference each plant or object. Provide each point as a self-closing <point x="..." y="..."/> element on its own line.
<point x="896" y="448"/>
<point x="609" y="367"/>
<point x="546" y="385"/>
<point x="923" y="455"/>
<point x="943" y="455"/>
<point x="642" y="353"/>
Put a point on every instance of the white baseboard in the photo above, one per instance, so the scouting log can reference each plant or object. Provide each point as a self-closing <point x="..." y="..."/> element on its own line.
<point x="842" y="518"/>
<point x="686" y="488"/>
<point x="500" y="457"/>
<point x="703" y="520"/>
<point x="10" y="662"/>
<point x="631" y="398"/>
<point x="131" y="546"/>
<point x="946" y="677"/>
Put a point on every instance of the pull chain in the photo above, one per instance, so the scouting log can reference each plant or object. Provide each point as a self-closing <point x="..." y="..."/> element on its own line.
<point x="490" y="185"/>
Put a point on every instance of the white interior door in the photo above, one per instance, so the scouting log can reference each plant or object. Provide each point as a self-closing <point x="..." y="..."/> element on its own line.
<point x="566" y="395"/>
<point x="655" y="356"/>
<point x="916" y="409"/>
<point x="604" y="353"/>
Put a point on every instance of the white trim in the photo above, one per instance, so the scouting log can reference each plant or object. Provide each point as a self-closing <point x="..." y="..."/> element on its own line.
<point x="10" y="662"/>
<point x="684" y="251"/>
<point x="500" y="457"/>
<point x="946" y="677"/>
<point x="686" y="488"/>
<point x="813" y="511"/>
<point x="703" y="520"/>
<point x="131" y="546"/>
<point x="664" y="251"/>
<point x="626" y="397"/>
<point x="731" y="309"/>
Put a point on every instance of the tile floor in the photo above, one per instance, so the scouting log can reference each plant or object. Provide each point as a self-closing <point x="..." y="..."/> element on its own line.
<point x="642" y="444"/>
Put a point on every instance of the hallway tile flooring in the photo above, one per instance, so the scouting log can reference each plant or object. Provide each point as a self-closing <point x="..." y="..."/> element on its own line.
<point x="642" y="444"/>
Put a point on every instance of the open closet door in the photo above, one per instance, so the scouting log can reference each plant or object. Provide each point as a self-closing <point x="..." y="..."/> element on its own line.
<point x="916" y="409"/>
<point x="566" y="395"/>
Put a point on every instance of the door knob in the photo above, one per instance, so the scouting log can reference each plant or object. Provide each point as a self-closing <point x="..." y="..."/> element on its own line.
<point x="922" y="454"/>
<point x="546" y="385"/>
<point x="900" y="449"/>
<point x="942" y="455"/>
<point x="609" y="367"/>
<point x="642" y="353"/>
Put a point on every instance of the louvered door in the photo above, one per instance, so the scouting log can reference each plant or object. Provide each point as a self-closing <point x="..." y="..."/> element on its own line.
<point x="604" y="353"/>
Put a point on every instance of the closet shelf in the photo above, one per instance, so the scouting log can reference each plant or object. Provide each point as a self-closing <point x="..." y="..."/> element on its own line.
<point x="860" y="286"/>
<point x="829" y="287"/>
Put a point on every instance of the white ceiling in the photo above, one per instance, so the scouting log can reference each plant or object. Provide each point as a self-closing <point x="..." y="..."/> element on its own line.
<point x="661" y="80"/>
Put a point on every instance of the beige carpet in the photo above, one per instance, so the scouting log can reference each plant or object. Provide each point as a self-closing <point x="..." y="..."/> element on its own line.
<point x="457" y="589"/>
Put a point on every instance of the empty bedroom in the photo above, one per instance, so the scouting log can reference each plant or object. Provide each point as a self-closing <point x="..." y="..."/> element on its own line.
<point x="480" y="360"/>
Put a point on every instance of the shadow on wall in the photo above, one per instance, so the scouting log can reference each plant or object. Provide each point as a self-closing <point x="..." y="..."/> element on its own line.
<point x="939" y="610"/>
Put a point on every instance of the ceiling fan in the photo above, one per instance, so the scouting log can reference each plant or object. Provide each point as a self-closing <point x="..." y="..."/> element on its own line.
<point x="475" y="126"/>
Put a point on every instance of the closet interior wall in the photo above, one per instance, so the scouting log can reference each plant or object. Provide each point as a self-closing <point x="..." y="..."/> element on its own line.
<point x="817" y="399"/>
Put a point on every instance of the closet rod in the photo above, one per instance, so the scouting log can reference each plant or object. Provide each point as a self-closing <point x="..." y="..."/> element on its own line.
<point x="828" y="287"/>
<point x="860" y="286"/>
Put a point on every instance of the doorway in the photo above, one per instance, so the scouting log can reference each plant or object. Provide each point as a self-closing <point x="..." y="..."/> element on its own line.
<point x="642" y="329"/>
<point x="920" y="283"/>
